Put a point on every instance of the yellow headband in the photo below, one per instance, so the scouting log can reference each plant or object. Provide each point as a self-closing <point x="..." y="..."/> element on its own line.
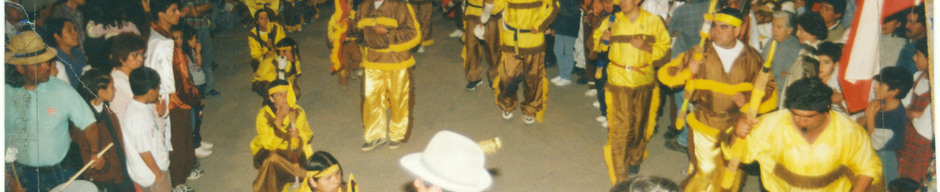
<point x="286" y="48"/>
<point x="278" y="88"/>
<point x="328" y="171"/>
<point x="731" y="20"/>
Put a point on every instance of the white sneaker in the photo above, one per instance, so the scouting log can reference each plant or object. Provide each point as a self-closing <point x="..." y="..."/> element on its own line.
<point x="591" y="93"/>
<point x="207" y="145"/>
<point x="183" y="188"/>
<point x="596" y="104"/>
<point x="604" y="124"/>
<point x="421" y="49"/>
<point x="556" y="79"/>
<point x="456" y="34"/>
<point x="202" y="153"/>
<point x="563" y="82"/>
<point x="602" y="119"/>
<point x="507" y="115"/>
<point x="196" y="174"/>
<point x="528" y="120"/>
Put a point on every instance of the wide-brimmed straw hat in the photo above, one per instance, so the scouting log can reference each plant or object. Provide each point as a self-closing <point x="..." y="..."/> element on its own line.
<point x="450" y="161"/>
<point x="27" y="48"/>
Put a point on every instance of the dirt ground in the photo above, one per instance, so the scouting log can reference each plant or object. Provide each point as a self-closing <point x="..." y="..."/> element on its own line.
<point x="563" y="153"/>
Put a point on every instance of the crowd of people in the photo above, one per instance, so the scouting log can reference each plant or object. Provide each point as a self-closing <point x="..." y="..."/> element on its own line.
<point x="755" y="87"/>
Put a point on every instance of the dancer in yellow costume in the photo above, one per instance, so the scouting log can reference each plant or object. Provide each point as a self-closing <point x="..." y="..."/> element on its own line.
<point x="423" y="10"/>
<point x="255" y="5"/>
<point x="480" y="17"/>
<point x="724" y="74"/>
<point x="324" y="174"/>
<point x="637" y="38"/>
<point x="808" y="147"/>
<point x="284" y="65"/>
<point x="389" y="31"/>
<point x="345" y="54"/>
<point x="263" y="36"/>
<point x="522" y="43"/>
<point x="283" y="139"/>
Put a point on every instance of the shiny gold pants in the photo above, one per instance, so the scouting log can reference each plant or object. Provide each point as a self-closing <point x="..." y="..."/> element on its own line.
<point x="423" y="12"/>
<point x="475" y="49"/>
<point x="387" y="90"/>
<point x="275" y="172"/>
<point x="707" y="164"/>
<point x="528" y="69"/>
<point x="628" y="120"/>
<point x="352" y="57"/>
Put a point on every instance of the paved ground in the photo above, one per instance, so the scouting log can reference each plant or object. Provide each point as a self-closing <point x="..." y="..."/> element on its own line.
<point x="561" y="154"/>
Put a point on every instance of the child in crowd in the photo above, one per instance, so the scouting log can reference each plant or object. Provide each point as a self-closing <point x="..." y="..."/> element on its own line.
<point x="263" y="35"/>
<point x="827" y="59"/>
<point x="914" y="156"/>
<point x="324" y="174"/>
<point x="146" y="144"/>
<point x="885" y="116"/>
<point x="186" y="87"/>
<point x="192" y="50"/>
<point x="99" y="92"/>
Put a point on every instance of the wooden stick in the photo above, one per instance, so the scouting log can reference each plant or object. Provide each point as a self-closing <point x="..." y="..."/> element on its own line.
<point x="87" y="165"/>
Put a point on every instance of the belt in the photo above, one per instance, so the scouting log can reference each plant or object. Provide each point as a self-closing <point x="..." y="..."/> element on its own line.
<point x="472" y="5"/>
<point x="631" y="68"/>
<point x="515" y="36"/>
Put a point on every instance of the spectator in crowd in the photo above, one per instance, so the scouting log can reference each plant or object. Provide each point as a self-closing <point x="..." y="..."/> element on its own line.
<point x="646" y="184"/>
<point x="187" y="90"/>
<point x="37" y="115"/>
<point x="565" y="33"/>
<point x="62" y="34"/>
<point x="325" y="174"/>
<point x="450" y="162"/>
<point x="916" y="29"/>
<point x="885" y="118"/>
<point x="636" y="39"/>
<point x="147" y="144"/>
<point x="788" y="46"/>
<point x="826" y="63"/>
<point x="832" y="145"/>
<point x="15" y="15"/>
<point x="263" y="35"/>
<point x="70" y="9"/>
<point x="811" y="31"/>
<point x="196" y="14"/>
<point x="99" y="92"/>
<point x="127" y="54"/>
<point x="892" y="38"/>
<point x="832" y="12"/>
<point x="106" y="19"/>
<point x="917" y="151"/>
<point x="283" y="137"/>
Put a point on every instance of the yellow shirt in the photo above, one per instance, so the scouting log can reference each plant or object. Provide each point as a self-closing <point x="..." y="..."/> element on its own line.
<point x="631" y="66"/>
<point x="267" y="70"/>
<point x="534" y="15"/>
<point x="475" y="8"/>
<point x="255" y="47"/>
<point x="255" y="5"/>
<point x="268" y="138"/>
<point x="789" y="163"/>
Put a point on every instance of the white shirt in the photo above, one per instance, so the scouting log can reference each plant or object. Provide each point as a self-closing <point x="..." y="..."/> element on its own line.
<point x="160" y="58"/>
<point x="923" y="124"/>
<point x="122" y="92"/>
<point x="728" y="56"/>
<point x="61" y="72"/>
<point x="141" y="134"/>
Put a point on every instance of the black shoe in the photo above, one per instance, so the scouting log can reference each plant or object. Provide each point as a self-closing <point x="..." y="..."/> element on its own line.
<point x="671" y="132"/>
<point x="634" y="169"/>
<point x="471" y="86"/>
<point x="672" y="144"/>
<point x="395" y="144"/>
<point x="212" y="92"/>
<point x="369" y="146"/>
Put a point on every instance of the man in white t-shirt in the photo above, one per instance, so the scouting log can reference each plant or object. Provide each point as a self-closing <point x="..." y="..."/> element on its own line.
<point x="146" y="144"/>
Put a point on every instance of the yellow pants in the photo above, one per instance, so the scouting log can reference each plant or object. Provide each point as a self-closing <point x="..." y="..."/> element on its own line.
<point x="528" y="69"/>
<point x="387" y="90"/>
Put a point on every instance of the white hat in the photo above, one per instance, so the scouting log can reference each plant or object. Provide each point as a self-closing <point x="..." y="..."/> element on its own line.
<point x="450" y="161"/>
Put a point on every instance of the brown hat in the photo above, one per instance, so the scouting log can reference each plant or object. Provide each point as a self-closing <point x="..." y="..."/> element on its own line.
<point x="27" y="48"/>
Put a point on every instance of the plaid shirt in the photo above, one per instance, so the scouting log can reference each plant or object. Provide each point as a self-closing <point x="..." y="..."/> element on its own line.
<point x="198" y="22"/>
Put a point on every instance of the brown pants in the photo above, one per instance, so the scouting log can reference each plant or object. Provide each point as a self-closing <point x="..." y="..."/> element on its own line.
<point x="528" y="69"/>
<point x="475" y="49"/>
<point x="423" y="13"/>
<point x="628" y="118"/>
<point x="183" y="156"/>
<point x="275" y="172"/>
<point x="352" y="57"/>
<point x="590" y="66"/>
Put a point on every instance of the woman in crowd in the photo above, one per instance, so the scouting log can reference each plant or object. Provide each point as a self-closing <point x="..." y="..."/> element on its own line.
<point x="99" y="93"/>
<point x="62" y="34"/>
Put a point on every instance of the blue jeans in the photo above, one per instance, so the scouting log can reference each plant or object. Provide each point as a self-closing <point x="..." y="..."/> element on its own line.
<point x="196" y="115"/>
<point x="683" y="137"/>
<point x="600" y="82"/>
<point x="33" y="180"/>
<point x="208" y="56"/>
<point x="564" y="55"/>
<point x="889" y="162"/>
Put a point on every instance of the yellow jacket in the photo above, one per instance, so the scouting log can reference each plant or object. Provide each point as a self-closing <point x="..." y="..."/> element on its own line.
<point x="267" y="70"/>
<point x="258" y="50"/>
<point x="271" y="137"/>
<point x="475" y="8"/>
<point x="391" y="51"/>
<point x="527" y="20"/>
<point x="255" y="5"/>
<point x="629" y="65"/>
<point x="789" y="163"/>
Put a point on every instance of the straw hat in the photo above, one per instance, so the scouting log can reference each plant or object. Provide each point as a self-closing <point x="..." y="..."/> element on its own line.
<point x="27" y="48"/>
<point x="450" y="161"/>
